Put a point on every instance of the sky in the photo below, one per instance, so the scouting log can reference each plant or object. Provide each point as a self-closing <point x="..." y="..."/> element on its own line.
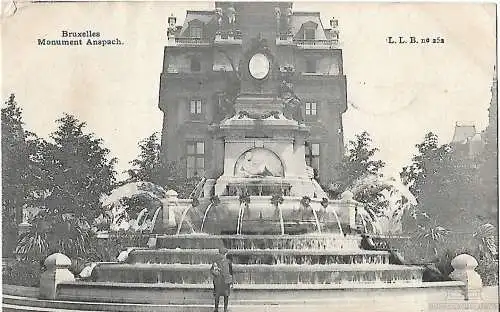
<point x="397" y="93"/>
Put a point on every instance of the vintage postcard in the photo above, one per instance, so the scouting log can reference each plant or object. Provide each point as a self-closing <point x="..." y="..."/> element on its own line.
<point x="249" y="156"/>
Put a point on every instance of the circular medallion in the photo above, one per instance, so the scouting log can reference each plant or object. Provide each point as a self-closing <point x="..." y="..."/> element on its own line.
<point x="259" y="66"/>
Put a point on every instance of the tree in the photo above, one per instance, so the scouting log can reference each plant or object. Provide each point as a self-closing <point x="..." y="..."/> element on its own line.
<point x="78" y="170"/>
<point x="360" y="173"/>
<point x="445" y="185"/>
<point x="20" y="168"/>
<point x="358" y="161"/>
<point x="147" y="166"/>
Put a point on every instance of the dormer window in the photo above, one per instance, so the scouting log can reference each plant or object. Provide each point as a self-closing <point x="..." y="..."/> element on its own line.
<point x="309" y="33"/>
<point x="196" y="31"/>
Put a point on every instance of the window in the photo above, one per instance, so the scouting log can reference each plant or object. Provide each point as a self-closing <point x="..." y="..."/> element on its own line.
<point x="195" y="108"/>
<point x="310" y="66"/>
<point x="312" y="155"/>
<point x="195" y="158"/>
<point x="311" y="109"/>
<point x="195" y="64"/>
<point x="309" y="33"/>
<point x="196" y="31"/>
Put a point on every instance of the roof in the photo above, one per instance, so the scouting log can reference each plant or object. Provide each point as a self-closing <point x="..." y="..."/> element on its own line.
<point x="299" y="18"/>
<point x="463" y="132"/>
<point x="203" y="16"/>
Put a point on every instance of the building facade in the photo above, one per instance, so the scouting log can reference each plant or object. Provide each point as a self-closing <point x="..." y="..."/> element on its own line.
<point x="206" y="68"/>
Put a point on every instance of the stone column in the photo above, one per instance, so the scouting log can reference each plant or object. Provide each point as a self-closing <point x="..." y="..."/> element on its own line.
<point x="168" y="214"/>
<point x="348" y="209"/>
<point x="57" y="271"/>
<point x="464" y="266"/>
<point x="218" y="157"/>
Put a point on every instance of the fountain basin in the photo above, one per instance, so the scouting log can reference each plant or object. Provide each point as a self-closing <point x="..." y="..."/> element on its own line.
<point x="223" y="217"/>
<point x="308" y="295"/>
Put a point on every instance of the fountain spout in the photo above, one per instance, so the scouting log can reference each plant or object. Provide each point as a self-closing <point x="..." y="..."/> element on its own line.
<point x="338" y="221"/>
<point x="214" y="200"/>
<point x="318" y="226"/>
<point x="184" y="213"/>
<point x="205" y="216"/>
<point x="155" y="216"/>
<point x="277" y="200"/>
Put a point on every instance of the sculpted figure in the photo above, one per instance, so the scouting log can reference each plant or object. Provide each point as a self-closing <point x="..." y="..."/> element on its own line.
<point x="231" y="15"/>
<point x="171" y="26"/>
<point x="289" y="14"/>
<point x="277" y="15"/>
<point x="218" y="16"/>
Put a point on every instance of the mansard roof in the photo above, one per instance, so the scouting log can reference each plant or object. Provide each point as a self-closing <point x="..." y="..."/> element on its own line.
<point x="301" y="18"/>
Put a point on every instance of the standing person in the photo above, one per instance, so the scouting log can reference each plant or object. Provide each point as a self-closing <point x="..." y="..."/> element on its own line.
<point x="222" y="273"/>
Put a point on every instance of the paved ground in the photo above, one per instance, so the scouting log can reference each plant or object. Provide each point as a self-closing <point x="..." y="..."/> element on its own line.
<point x="24" y="299"/>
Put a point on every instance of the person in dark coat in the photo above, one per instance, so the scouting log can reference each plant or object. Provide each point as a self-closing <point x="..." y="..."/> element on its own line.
<point x="222" y="273"/>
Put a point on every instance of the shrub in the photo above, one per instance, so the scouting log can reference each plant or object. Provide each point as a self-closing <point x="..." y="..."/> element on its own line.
<point x="416" y="251"/>
<point x="488" y="270"/>
<point x="107" y="249"/>
<point x="52" y="232"/>
<point x="22" y="273"/>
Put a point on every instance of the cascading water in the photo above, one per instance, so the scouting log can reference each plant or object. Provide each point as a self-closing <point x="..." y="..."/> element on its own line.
<point x="155" y="216"/>
<point x="184" y="213"/>
<point x="240" y="217"/>
<point x="318" y="226"/>
<point x="139" y="217"/>
<point x="338" y="221"/>
<point x="282" y="225"/>
<point x="205" y="216"/>
<point x="181" y="220"/>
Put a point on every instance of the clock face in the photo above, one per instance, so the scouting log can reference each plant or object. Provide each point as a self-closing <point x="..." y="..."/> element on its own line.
<point x="259" y="66"/>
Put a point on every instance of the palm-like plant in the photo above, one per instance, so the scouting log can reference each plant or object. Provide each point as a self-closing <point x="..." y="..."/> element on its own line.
<point x="33" y="244"/>
<point x="54" y="232"/>
<point x="430" y="237"/>
<point x="486" y="238"/>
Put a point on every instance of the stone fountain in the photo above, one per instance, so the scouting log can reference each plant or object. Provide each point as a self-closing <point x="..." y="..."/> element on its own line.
<point x="288" y="242"/>
<point x="282" y="232"/>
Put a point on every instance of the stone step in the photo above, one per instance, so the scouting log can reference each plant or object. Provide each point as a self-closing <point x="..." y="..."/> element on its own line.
<point x="259" y="256"/>
<point x="258" y="273"/>
<point x="254" y="242"/>
<point x="249" y="295"/>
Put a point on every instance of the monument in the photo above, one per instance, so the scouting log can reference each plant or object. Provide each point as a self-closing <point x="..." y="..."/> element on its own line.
<point x="260" y="197"/>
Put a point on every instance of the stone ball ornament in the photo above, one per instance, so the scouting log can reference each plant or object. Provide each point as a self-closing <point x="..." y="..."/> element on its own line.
<point x="464" y="261"/>
<point x="259" y="66"/>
